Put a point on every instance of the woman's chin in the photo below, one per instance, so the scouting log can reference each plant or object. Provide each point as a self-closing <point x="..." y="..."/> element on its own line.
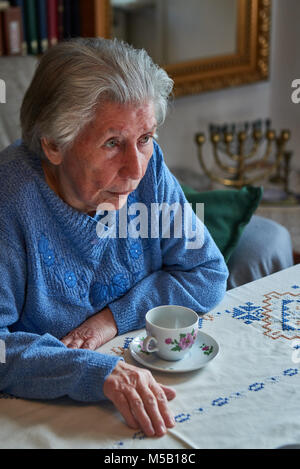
<point x="113" y="203"/>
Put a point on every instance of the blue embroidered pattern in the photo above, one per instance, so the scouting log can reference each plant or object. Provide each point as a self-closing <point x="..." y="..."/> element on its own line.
<point x="256" y="387"/>
<point x="102" y="293"/>
<point x="180" y="418"/>
<point x="119" y="285"/>
<point x="70" y="279"/>
<point x="99" y="293"/>
<point x="291" y="372"/>
<point x="247" y="312"/>
<point x="46" y="252"/>
<point x="220" y="401"/>
<point x="279" y="314"/>
<point x="282" y="315"/>
<point x="186" y="417"/>
<point x="127" y="342"/>
<point x="48" y="256"/>
<point x="135" y="250"/>
<point x="288" y="314"/>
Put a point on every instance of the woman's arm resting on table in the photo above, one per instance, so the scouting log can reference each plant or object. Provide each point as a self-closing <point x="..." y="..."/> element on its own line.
<point x="42" y="367"/>
<point x="39" y="366"/>
<point x="94" y="332"/>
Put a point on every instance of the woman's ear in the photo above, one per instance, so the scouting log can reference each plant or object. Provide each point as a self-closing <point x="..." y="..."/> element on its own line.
<point x="51" y="151"/>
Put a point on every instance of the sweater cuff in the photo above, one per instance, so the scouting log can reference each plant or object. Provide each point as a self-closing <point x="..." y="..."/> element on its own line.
<point x="125" y="316"/>
<point x="93" y="371"/>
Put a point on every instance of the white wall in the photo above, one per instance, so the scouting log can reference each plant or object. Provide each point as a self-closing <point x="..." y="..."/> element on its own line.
<point x="271" y="98"/>
<point x="191" y="114"/>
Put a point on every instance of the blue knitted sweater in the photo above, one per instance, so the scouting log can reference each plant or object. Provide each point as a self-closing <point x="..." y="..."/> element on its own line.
<point x="55" y="272"/>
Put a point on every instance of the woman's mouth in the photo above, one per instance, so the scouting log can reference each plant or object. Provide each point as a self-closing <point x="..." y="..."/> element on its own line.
<point x="120" y="192"/>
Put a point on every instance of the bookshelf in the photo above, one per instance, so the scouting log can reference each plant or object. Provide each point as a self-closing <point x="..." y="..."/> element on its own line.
<point x="33" y="26"/>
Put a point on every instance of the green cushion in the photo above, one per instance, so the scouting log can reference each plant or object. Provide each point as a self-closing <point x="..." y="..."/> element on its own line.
<point x="226" y="213"/>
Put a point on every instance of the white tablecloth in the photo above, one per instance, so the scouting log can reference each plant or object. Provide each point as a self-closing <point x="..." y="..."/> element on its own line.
<point x="247" y="397"/>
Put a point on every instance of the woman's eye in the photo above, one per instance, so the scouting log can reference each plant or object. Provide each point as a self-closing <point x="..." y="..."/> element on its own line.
<point x="111" y="143"/>
<point x="145" y="139"/>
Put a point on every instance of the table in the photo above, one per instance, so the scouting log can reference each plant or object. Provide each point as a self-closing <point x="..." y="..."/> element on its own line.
<point x="247" y="397"/>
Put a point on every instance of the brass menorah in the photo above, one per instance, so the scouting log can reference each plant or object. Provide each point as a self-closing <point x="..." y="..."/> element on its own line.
<point x="242" y="146"/>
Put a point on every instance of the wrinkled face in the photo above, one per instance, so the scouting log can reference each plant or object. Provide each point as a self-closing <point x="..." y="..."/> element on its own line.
<point x="107" y="160"/>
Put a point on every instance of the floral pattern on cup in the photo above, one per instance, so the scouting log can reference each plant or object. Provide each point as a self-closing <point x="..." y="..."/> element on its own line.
<point x="185" y="341"/>
<point x="207" y="349"/>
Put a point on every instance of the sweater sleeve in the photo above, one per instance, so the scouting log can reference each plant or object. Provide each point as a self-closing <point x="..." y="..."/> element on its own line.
<point x="193" y="273"/>
<point x="40" y="366"/>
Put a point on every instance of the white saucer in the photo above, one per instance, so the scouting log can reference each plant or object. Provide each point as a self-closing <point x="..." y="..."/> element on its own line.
<point x="203" y="351"/>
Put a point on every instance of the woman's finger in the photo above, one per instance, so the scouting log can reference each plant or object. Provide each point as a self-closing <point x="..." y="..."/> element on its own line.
<point x="153" y="409"/>
<point x="162" y="402"/>
<point x="90" y="344"/>
<point x="121" y="404"/>
<point x="170" y="393"/>
<point x="137" y="407"/>
<point x="72" y="342"/>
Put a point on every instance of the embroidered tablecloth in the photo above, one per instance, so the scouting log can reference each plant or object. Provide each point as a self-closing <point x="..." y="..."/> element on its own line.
<point x="247" y="397"/>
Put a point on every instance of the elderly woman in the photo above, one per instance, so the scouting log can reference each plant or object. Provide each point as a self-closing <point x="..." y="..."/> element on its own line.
<point x="88" y="122"/>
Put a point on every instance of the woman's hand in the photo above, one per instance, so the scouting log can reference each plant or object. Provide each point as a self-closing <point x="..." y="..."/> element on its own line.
<point x="92" y="333"/>
<point x="140" y="399"/>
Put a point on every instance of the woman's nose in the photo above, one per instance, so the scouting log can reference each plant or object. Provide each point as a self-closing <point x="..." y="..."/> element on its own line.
<point x="132" y="167"/>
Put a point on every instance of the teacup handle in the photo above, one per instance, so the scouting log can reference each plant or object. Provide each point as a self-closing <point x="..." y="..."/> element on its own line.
<point x="147" y="344"/>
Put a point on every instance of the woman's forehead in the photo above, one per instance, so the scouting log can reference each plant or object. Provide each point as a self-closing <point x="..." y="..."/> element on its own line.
<point x="114" y="118"/>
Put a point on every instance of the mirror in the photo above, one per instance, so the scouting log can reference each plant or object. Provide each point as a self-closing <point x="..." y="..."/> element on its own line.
<point x="203" y="44"/>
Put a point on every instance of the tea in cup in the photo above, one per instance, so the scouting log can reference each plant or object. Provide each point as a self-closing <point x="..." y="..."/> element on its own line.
<point x="171" y="331"/>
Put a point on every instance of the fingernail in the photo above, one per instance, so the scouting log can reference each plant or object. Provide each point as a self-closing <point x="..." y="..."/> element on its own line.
<point x="170" y="421"/>
<point x="151" y="431"/>
<point x="162" y="429"/>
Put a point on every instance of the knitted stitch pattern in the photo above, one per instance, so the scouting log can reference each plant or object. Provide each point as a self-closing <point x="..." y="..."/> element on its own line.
<point x="55" y="272"/>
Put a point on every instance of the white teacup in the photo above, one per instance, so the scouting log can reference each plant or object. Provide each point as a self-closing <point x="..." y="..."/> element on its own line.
<point x="171" y="331"/>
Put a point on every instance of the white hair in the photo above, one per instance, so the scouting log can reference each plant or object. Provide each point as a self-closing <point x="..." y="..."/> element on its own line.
<point x="75" y="77"/>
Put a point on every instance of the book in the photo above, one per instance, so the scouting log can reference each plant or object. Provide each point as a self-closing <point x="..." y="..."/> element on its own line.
<point x="60" y="19"/>
<point x="31" y="27"/>
<point x="67" y="18"/>
<point x="42" y="25"/>
<point x="21" y="4"/>
<point x="12" y="30"/>
<point x="52" y="15"/>
<point x="75" y="18"/>
<point x="87" y="12"/>
<point x="71" y="15"/>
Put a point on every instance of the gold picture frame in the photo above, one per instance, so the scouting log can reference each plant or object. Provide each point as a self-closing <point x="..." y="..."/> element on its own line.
<point x="250" y="62"/>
